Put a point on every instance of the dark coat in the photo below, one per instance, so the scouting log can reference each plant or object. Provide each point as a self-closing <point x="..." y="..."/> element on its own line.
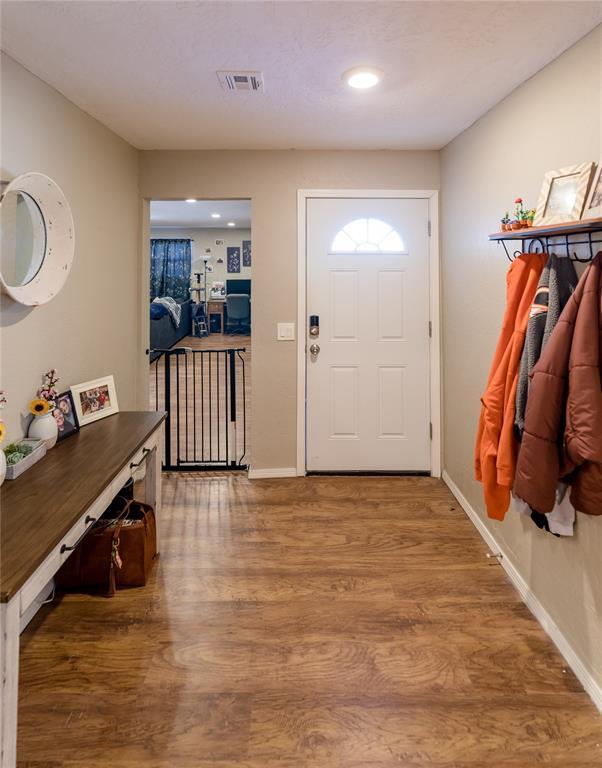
<point x="556" y="284"/>
<point x="563" y="423"/>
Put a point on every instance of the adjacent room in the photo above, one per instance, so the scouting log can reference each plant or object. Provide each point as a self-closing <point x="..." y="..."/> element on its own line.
<point x="301" y="384"/>
<point x="200" y="293"/>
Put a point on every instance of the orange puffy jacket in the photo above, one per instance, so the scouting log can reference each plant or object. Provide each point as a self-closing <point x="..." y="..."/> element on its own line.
<point x="495" y="451"/>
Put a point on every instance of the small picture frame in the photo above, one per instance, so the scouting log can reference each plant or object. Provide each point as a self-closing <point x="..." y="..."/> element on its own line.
<point x="562" y="195"/>
<point x="65" y="416"/>
<point x="593" y="206"/>
<point x="95" y="399"/>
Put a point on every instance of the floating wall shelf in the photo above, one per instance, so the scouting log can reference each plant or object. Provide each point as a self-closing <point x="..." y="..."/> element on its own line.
<point x="584" y="230"/>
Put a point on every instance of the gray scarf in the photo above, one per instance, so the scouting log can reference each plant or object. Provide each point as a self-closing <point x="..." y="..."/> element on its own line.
<point x="556" y="284"/>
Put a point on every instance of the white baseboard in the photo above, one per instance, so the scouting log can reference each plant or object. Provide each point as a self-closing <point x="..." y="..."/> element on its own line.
<point x="530" y="599"/>
<point x="262" y="474"/>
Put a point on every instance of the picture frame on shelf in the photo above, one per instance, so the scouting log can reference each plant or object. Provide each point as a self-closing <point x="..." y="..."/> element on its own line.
<point x="65" y="416"/>
<point x="95" y="399"/>
<point x="593" y="205"/>
<point x="562" y="195"/>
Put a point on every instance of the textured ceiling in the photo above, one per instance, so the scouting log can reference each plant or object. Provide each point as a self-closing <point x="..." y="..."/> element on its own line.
<point x="179" y="213"/>
<point x="147" y="69"/>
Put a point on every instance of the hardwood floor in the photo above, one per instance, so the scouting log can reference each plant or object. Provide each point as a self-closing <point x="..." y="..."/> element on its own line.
<point x="201" y="428"/>
<point x="323" y="622"/>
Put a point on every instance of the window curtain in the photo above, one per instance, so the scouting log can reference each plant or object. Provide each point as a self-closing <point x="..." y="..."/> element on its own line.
<point x="170" y="269"/>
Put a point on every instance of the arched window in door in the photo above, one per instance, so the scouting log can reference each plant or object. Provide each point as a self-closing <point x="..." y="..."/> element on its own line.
<point x="367" y="236"/>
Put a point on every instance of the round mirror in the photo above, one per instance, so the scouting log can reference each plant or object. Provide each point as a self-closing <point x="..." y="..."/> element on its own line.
<point x="36" y="239"/>
<point x="22" y="238"/>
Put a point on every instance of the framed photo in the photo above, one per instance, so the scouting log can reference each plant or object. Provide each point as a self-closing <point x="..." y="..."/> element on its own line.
<point x="94" y="400"/>
<point x="65" y="416"/>
<point x="593" y="206"/>
<point x="563" y="194"/>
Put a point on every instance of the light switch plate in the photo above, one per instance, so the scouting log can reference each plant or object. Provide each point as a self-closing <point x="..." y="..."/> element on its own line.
<point x="286" y="332"/>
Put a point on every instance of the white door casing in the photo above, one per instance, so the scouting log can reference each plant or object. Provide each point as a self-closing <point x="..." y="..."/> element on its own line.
<point x="368" y="389"/>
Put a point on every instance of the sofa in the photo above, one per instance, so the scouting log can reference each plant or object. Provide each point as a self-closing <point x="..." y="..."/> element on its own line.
<point x="164" y="334"/>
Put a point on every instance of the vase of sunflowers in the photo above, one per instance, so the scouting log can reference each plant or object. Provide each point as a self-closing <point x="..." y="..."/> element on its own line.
<point x="44" y="426"/>
<point x="2" y="433"/>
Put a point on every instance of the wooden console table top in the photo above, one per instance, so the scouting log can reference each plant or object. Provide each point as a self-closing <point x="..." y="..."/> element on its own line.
<point x="42" y="505"/>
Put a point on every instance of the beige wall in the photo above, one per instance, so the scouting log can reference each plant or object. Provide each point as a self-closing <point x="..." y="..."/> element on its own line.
<point x="271" y="181"/>
<point x="205" y="238"/>
<point x="92" y="327"/>
<point x="551" y="121"/>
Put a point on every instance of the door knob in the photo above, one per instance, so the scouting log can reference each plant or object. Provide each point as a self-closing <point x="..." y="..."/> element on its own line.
<point x="314" y="349"/>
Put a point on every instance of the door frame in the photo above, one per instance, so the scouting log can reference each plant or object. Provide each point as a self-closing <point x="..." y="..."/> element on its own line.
<point x="432" y="195"/>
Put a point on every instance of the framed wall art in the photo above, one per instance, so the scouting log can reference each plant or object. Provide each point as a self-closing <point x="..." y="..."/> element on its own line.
<point x="593" y="206"/>
<point x="562" y="194"/>
<point x="246" y="253"/>
<point x="95" y="399"/>
<point x="233" y="255"/>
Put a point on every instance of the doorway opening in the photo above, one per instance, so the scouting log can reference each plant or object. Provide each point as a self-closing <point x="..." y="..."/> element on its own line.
<point x="201" y="331"/>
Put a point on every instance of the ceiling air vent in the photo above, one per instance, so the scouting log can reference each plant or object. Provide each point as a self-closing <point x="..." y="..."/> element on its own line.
<point x="241" y="81"/>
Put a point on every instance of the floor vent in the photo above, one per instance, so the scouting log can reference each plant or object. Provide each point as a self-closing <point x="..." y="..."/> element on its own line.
<point x="241" y="81"/>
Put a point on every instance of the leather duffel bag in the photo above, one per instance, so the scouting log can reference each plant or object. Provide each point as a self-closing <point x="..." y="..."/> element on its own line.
<point x="117" y="551"/>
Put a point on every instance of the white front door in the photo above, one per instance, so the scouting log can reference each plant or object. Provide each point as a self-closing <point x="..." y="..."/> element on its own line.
<point x="368" y="386"/>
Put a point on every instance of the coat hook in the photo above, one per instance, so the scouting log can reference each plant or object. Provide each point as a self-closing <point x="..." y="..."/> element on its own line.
<point x="535" y="241"/>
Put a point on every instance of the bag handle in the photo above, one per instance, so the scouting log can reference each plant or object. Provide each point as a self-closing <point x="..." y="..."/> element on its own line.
<point x="102" y="524"/>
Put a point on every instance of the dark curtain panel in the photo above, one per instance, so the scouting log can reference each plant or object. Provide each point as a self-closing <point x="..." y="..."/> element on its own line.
<point x="170" y="269"/>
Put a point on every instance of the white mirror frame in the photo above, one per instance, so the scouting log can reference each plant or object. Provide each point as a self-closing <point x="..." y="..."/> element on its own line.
<point x="60" y="239"/>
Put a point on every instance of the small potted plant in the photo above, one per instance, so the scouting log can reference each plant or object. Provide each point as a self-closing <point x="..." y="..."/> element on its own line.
<point x="2" y="433"/>
<point x="505" y="221"/>
<point x="22" y="455"/>
<point x="44" y="426"/>
<point x="515" y="224"/>
<point x="524" y="219"/>
<point x="518" y="211"/>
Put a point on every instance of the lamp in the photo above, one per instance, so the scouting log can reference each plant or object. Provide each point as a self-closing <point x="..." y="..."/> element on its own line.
<point x="199" y="268"/>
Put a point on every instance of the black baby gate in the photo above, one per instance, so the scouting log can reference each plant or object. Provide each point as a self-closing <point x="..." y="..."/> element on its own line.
<point x="203" y="393"/>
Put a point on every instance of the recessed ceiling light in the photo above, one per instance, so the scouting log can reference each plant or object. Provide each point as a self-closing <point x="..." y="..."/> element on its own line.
<point x="216" y="215"/>
<point x="362" y="77"/>
<point x="231" y="224"/>
<point x="191" y="200"/>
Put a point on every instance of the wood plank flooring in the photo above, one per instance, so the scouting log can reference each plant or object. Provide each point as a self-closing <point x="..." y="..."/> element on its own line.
<point x="324" y="622"/>
<point x="200" y="429"/>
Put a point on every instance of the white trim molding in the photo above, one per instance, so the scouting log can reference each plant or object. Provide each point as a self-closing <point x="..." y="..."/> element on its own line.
<point x="549" y="626"/>
<point x="432" y="195"/>
<point x="262" y="474"/>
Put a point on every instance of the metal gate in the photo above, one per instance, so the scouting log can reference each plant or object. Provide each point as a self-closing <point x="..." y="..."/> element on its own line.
<point x="203" y="393"/>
